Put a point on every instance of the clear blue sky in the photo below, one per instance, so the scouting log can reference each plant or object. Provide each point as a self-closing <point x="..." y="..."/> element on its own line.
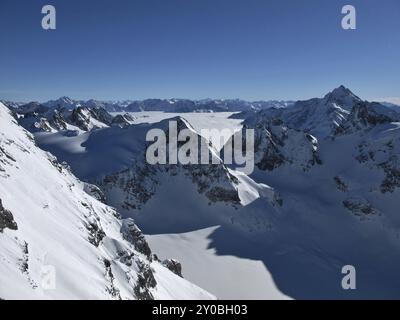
<point x="250" y="49"/>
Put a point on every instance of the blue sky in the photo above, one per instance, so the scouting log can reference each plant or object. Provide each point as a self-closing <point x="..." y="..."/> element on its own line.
<point x="250" y="49"/>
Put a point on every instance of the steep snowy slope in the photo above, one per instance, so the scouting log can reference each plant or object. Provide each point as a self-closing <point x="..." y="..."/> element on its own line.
<point x="58" y="242"/>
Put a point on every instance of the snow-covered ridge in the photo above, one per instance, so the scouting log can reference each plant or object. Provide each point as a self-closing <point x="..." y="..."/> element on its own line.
<point x="320" y="117"/>
<point x="129" y="182"/>
<point x="50" y="226"/>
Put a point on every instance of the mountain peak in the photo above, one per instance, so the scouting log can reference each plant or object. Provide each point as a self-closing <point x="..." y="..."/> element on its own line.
<point x="341" y="91"/>
<point x="342" y="95"/>
<point x="65" y="99"/>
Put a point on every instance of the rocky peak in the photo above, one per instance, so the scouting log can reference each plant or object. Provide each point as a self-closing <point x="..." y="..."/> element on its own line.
<point x="342" y="96"/>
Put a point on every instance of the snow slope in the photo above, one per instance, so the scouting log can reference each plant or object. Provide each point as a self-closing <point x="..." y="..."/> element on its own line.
<point x="53" y="225"/>
<point x="229" y="277"/>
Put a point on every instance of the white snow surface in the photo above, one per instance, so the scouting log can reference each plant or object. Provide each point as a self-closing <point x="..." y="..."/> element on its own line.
<point x="228" y="277"/>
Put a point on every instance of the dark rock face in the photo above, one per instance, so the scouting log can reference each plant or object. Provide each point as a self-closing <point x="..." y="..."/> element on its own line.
<point x="385" y="156"/>
<point x="364" y="116"/>
<point x="111" y="289"/>
<point x="80" y="119"/>
<point x="214" y="181"/>
<point x="138" y="184"/>
<point x="144" y="283"/>
<point x="102" y="115"/>
<point x="96" y="233"/>
<point x="220" y="194"/>
<point x="95" y="192"/>
<point x="276" y="145"/>
<point x="368" y="116"/>
<point x="134" y="235"/>
<point x="6" y="219"/>
<point x="173" y="265"/>
<point x="122" y="121"/>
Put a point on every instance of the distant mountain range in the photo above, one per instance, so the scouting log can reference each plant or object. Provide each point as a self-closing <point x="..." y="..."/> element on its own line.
<point x="166" y="105"/>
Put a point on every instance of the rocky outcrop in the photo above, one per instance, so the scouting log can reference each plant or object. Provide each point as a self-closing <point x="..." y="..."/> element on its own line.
<point x="174" y="266"/>
<point x="365" y="116"/>
<point x="122" y="121"/>
<point x="80" y="117"/>
<point x="145" y="282"/>
<point x="109" y="275"/>
<point x="382" y="153"/>
<point x="134" y="235"/>
<point x="101" y="115"/>
<point x="276" y="145"/>
<point x="94" y="191"/>
<point x="6" y="219"/>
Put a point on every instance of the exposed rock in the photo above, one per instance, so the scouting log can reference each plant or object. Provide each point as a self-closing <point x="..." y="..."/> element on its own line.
<point x="276" y="145"/>
<point x="93" y="226"/>
<point x="224" y="195"/>
<point x="364" y="116"/>
<point x="95" y="192"/>
<point x="6" y="219"/>
<point x="111" y="289"/>
<point x="385" y="156"/>
<point x="145" y="282"/>
<point x="173" y="265"/>
<point x="134" y="235"/>
<point x="101" y="115"/>
<point x="122" y="120"/>
<point x="81" y="118"/>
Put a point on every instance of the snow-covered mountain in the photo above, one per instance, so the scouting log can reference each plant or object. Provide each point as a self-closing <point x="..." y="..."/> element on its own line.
<point x="57" y="241"/>
<point x="129" y="182"/>
<point x="36" y="117"/>
<point x="63" y="102"/>
<point x="69" y="104"/>
<point x="318" y="116"/>
<point x="324" y="194"/>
